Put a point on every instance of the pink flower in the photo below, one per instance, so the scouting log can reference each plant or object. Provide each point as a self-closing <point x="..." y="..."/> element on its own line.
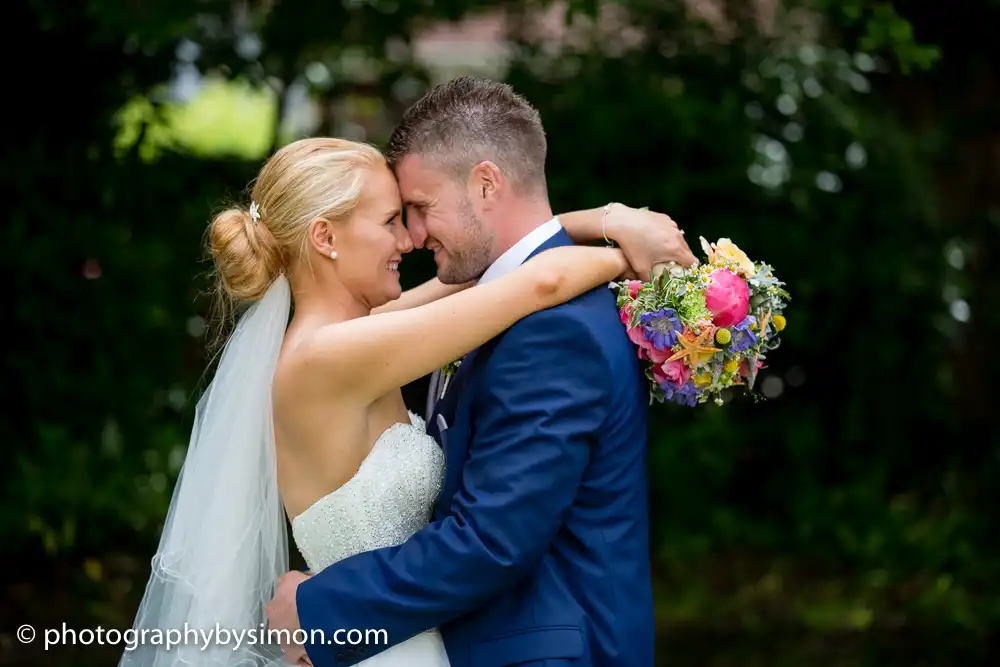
<point x="633" y="288"/>
<point x="659" y="356"/>
<point x="675" y="371"/>
<point x="728" y="297"/>
<point x="625" y="313"/>
<point x="636" y="334"/>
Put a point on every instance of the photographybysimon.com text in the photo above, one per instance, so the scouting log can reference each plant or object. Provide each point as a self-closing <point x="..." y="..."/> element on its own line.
<point x="201" y="638"/>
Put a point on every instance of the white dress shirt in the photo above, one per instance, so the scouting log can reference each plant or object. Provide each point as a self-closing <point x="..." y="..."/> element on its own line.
<point x="516" y="255"/>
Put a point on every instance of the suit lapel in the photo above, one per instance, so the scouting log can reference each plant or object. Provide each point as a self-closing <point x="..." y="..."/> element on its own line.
<point x="445" y="407"/>
<point x="456" y="406"/>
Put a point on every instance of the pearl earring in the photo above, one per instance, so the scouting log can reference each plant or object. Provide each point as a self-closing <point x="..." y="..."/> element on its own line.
<point x="333" y="254"/>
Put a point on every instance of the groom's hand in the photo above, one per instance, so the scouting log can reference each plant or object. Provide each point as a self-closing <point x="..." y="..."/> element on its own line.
<point x="282" y="614"/>
<point x="647" y="238"/>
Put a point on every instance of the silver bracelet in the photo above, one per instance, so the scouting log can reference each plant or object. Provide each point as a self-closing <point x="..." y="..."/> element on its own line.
<point x="604" y="222"/>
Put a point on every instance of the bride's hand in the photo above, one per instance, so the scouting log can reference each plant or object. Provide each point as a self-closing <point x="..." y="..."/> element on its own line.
<point x="647" y="238"/>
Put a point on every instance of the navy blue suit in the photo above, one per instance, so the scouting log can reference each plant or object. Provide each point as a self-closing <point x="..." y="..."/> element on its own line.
<point x="538" y="552"/>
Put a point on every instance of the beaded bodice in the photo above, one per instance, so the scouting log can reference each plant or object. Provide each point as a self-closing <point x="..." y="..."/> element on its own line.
<point x="387" y="500"/>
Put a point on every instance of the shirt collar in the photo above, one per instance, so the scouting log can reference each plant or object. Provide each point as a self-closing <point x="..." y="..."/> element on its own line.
<point x="519" y="252"/>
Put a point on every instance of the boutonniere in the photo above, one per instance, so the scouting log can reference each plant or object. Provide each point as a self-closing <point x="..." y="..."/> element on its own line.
<point x="448" y="372"/>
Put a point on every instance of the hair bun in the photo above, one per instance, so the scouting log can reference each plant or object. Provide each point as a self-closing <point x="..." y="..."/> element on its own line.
<point x="246" y="256"/>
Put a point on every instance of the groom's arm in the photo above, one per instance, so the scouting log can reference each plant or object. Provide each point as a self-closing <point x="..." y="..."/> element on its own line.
<point x="545" y="394"/>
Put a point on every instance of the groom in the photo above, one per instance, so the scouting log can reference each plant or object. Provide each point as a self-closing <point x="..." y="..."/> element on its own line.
<point x="538" y="552"/>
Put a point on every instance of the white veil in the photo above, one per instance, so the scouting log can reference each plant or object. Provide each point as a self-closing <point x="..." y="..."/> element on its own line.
<point x="223" y="545"/>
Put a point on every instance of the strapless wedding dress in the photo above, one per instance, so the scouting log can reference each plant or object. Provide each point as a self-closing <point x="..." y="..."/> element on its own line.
<point x="389" y="499"/>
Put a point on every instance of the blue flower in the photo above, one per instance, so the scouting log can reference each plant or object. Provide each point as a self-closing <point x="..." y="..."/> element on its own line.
<point x="661" y="328"/>
<point x="743" y="338"/>
<point x="686" y="394"/>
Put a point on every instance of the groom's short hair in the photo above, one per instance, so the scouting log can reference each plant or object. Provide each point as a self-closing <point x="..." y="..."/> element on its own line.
<point x="467" y="120"/>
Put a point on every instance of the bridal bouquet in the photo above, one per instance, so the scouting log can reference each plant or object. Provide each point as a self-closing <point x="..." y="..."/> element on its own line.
<point x="704" y="329"/>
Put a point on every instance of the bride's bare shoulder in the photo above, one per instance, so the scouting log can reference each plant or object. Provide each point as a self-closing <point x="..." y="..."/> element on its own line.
<point x="309" y="368"/>
<point x="328" y="352"/>
<point x="306" y="400"/>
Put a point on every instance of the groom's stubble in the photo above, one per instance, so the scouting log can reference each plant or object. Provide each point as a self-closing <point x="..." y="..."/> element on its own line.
<point x="475" y="255"/>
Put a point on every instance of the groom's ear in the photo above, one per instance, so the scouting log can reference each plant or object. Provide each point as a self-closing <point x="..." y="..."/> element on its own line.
<point x="486" y="181"/>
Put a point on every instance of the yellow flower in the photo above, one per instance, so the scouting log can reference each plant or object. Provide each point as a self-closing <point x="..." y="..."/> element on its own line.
<point x="731" y="365"/>
<point x="703" y="380"/>
<point x="723" y="336"/>
<point x="779" y="322"/>
<point x="726" y="249"/>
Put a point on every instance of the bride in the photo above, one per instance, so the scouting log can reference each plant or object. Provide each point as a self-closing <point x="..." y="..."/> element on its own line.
<point x="305" y="419"/>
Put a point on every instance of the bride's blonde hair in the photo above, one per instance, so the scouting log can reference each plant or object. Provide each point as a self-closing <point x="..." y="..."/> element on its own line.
<point x="305" y="180"/>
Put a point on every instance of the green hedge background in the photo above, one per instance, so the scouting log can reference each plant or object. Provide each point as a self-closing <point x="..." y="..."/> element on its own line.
<point x="855" y="145"/>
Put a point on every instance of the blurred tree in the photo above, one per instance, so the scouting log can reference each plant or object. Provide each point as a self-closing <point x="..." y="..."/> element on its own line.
<point x="850" y="144"/>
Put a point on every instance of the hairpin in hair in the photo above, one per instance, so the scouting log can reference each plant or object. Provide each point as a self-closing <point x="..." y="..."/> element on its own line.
<point x="254" y="212"/>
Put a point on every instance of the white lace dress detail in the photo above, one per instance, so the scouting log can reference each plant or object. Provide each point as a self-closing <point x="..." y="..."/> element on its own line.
<point x="388" y="499"/>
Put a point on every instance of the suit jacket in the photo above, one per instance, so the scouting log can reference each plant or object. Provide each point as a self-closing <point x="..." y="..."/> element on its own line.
<point x="538" y="553"/>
